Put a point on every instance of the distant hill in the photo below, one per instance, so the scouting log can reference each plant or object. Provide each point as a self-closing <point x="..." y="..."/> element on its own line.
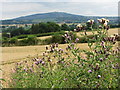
<point x="58" y="17"/>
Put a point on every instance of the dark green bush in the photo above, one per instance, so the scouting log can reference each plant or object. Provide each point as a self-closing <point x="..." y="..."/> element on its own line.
<point x="55" y="39"/>
<point x="58" y="39"/>
<point x="7" y="35"/>
<point x="14" y="40"/>
<point x="31" y="40"/>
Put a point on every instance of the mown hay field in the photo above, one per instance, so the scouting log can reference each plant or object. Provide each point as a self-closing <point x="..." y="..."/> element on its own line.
<point x="20" y="52"/>
<point x="110" y="32"/>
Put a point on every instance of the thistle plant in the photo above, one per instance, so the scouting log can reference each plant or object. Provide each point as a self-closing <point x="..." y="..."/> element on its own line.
<point x="67" y="68"/>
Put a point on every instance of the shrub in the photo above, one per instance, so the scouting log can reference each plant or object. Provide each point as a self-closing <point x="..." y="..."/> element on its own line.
<point x="57" y="39"/>
<point x="31" y="40"/>
<point x="22" y="36"/>
<point x="14" y="40"/>
<point x="23" y="42"/>
<point x="7" y="35"/>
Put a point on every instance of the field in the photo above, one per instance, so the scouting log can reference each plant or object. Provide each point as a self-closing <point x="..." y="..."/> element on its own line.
<point x="10" y="55"/>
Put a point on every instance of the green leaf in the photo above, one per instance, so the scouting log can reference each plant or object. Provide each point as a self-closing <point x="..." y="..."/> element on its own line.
<point x="79" y="58"/>
<point x="2" y="79"/>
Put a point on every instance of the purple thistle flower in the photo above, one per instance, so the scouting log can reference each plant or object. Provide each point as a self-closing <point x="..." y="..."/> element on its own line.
<point x="56" y="44"/>
<point x="69" y="47"/>
<point x="61" y="50"/>
<point x="65" y="79"/>
<point x="72" y="44"/>
<point x="62" y="62"/>
<point x="25" y="69"/>
<point x="77" y="39"/>
<point x="37" y="62"/>
<point x="75" y="48"/>
<point x="31" y="70"/>
<point x="40" y="61"/>
<point x="101" y="59"/>
<point x="103" y="42"/>
<point x="89" y="71"/>
<point x="43" y="63"/>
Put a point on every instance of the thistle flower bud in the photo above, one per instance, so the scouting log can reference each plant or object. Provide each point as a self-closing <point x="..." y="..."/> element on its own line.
<point x="25" y="69"/>
<point x="105" y="24"/>
<point x="99" y="20"/>
<point x="101" y="59"/>
<point x="100" y="27"/>
<point x="43" y="54"/>
<point x="79" y="26"/>
<point x="46" y="47"/>
<point x="90" y="21"/>
<point x="75" y="30"/>
<point x="36" y="62"/>
<point x="40" y="61"/>
<point x="56" y="44"/>
<point x="31" y="70"/>
<point x="49" y="60"/>
<point x="65" y="35"/>
<point x="97" y="64"/>
<point x="99" y="76"/>
<point x="103" y="21"/>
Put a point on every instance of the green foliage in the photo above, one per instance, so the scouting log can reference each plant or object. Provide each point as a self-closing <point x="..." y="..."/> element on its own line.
<point x="31" y="40"/>
<point x="94" y="26"/>
<point x="22" y="36"/>
<point x="65" y="27"/>
<point x="72" y="67"/>
<point x="17" y="31"/>
<point x="24" y="39"/>
<point x="14" y="40"/>
<point x="57" y="39"/>
<point x="45" y="27"/>
<point x="50" y="33"/>
<point x="5" y="35"/>
<point x="54" y="39"/>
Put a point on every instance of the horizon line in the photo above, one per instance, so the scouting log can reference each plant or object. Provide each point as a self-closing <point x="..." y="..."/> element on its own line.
<point x="62" y="12"/>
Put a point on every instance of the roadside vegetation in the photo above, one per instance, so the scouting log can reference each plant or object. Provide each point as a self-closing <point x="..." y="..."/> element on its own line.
<point x="97" y="67"/>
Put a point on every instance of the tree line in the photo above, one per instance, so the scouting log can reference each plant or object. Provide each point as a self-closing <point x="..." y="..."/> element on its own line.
<point x="43" y="27"/>
<point x="37" y="29"/>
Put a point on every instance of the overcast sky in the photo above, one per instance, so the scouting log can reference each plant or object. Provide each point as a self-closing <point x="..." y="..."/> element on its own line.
<point x="16" y="8"/>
